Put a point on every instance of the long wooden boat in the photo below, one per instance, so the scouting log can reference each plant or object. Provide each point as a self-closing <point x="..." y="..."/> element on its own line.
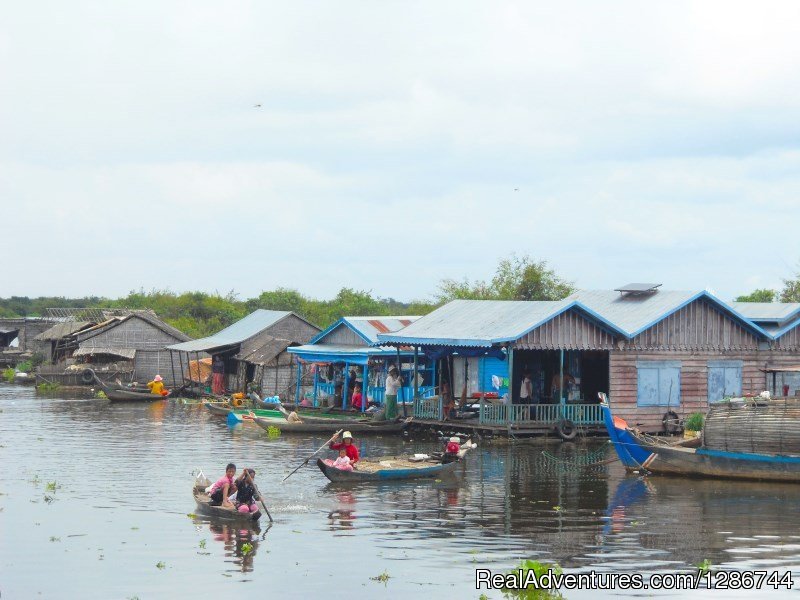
<point x="642" y="453"/>
<point x="223" y="409"/>
<point x="392" y="468"/>
<point x="123" y="395"/>
<point x="362" y="428"/>
<point x="219" y="512"/>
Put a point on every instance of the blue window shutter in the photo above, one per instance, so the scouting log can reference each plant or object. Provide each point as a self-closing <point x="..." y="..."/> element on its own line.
<point x="659" y="383"/>
<point x="724" y="379"/>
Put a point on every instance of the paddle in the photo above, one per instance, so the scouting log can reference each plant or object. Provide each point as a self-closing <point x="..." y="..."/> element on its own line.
<point x="305" y="462"/>
<point x="260" y="497"/>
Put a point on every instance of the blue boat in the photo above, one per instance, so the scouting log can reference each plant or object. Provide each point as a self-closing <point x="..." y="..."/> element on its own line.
<point x="646" y="454"/>
<point x="393" y="468"/>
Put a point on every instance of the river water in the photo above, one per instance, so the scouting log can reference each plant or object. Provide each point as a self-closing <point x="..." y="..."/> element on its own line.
<point x="95" y="503"/>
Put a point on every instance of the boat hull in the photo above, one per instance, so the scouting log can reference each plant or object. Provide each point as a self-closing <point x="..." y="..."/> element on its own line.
<point x="372" y="427"/>
<point x="340" y="476"/>
<point x="218" y="512"/>
<point x="638" y="454"/>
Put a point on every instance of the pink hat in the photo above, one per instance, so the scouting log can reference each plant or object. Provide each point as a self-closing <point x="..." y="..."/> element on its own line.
<point x="158" y="378"/>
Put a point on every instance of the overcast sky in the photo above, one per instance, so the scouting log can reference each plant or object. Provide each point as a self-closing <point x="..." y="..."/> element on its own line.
<point x="396" y="143"/>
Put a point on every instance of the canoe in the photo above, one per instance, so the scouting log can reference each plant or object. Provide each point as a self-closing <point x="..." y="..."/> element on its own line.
<point x="123" y="395"/>
<point x="392" y="468"/>
<point x="218" y="512"/>
<point x="222" y="409"/>
<point x="643" y="454"/>
<point x="370" y="427"/>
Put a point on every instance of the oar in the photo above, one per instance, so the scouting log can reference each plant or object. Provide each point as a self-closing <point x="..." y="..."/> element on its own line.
<point x="305" y="462"/>
<point x="260" y="497"/>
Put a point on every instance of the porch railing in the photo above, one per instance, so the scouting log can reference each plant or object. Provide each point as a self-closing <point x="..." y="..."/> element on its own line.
<point x="431" y="408"/>
<point x="539" y="414"/>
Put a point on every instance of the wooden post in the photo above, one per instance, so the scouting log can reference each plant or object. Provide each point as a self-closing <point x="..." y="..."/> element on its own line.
<point x="400" y="374"/>
<point x="180" y="366"/>
<point x="561" y="382"/>
<point x="510" y="405"/>
<point x="172" y="368"/>
<point x="316" y="382"/>
<point x="346" y="385"/>
<point x="298" y="382"/>
<point x="416" y="386"/>
<point x="364" y="387"/>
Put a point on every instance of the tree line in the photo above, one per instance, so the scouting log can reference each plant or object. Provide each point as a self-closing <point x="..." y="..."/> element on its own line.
<point x="200" y="314"/>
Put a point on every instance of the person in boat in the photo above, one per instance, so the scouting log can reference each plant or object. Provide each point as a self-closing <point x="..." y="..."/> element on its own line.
<point x="157" y="386"/>
<point x="246" y="496"/>
<point x="451" y="450"/>
<point x="223" y="488"/>
<point x="393" y="384"/>
<point x="342" y="463"/>
<point x="351" y="450"/>
<point x="358" y="398"/>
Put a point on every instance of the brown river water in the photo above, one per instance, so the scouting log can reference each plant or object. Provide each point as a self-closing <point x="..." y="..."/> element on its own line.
<point x="116" y="519"/>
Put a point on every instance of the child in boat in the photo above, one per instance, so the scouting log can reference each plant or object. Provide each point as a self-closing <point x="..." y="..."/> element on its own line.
<point x="346" y="444"/>
<point x="223" y="488"/>
<point x="451" y="450"/>
<point x="157" y="386"/>
<point x="246" y="492"/>
<point x="342" y="463"/>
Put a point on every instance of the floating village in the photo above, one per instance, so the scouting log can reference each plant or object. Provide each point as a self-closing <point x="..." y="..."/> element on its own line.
<point x="487" y="368"/>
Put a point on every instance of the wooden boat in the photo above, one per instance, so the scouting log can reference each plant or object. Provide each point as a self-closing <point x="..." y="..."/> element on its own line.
<point x="123" y="395"/>
<point x="362" y="428"/>
<point x="223" y="409"/>
<point x="204" y="508"/>
<point x="642" y="453"/>
<point x="393" y="468"/>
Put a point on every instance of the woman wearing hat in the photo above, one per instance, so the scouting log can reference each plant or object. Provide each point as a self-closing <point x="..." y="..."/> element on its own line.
<point x="157" y="386"/>
<point x="347" y="444"/>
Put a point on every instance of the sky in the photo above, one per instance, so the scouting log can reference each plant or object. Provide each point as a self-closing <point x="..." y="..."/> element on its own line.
<point x="386" y="145"/>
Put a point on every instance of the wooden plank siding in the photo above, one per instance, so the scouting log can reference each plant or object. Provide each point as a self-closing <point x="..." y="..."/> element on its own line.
<point x="567" y="331"/>
<point x="342" y="336"/>
<point x="293" y="328"/>
<point x="789" y="341"/>
<point x="697" y="326"/>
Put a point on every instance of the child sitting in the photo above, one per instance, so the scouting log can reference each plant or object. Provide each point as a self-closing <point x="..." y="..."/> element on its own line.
<point x="342" y="463"/>
<point x="246" y="492"/>
<point x="223" y="488"/>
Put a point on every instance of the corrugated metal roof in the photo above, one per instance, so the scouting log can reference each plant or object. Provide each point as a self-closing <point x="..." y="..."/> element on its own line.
<point x="308" y="351"/>
<point x="237" y="333"/>
<point x="777" y="312"/>
<point x="370" y="327"/>
<point x="633" y="312"/>
<point x="477" y="322"/>
<point x="61" y="330"/>
<point x="127" y="353"/>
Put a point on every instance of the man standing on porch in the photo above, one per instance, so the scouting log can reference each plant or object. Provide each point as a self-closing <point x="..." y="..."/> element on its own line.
<point x="526" y="389"/>
<point x="393" y="383"/>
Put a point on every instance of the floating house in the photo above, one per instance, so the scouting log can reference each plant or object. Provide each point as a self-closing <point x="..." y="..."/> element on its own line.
<point x="253" y="350"/>
<point x="134" y="345"/>
<point x="347" y="354"/>
<point x="659" y="355"/>
<point x="18" y="339"/>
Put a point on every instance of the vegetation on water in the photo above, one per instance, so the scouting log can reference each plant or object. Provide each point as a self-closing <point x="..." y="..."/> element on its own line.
<point x="383" y="577"/>
<point x="48" y="387"/>
<point x="199" y="314"/>
<point x="247" y="548"/>
<point x="531" y="592"/>
<point x="160" y="565"/>
<point x="273" y="431"/>
<point x="694" y="422"/>
<point x="100" y="394"/>
<point x="704" y="566"/>
<point x="9" y="374"/>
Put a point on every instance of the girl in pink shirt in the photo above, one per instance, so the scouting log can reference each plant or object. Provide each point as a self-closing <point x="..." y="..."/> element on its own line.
<point x="223" y="488"/>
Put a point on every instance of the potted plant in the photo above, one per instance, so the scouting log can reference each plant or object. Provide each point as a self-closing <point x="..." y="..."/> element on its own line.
<point x="693" y="425"/>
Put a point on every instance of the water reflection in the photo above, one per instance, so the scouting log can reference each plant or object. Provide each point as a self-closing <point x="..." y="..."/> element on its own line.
<point x="240" y="542"/>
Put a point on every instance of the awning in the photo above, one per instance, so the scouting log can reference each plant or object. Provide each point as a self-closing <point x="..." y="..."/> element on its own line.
<point x="126" y="353"/>
<point x="354" y="355"/>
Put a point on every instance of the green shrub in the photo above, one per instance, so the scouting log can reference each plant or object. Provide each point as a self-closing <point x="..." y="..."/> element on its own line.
<point x="9" y="374"/>
<point x="694" y="422"/>
<point x="25" y="367"/>
<point x="534" y="593"/>
<point x="47" y="387"/>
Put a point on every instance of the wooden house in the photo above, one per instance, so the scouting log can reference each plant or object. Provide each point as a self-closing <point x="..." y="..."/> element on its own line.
<point x="135" y="344"/>
<point x="253" y="350"/>
<point x="654" y="352"/>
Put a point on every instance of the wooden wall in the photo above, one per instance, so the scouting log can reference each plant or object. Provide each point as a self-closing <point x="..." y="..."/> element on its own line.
<point x="789" y="341"/>
<point x="344" y="336"/>
<point x="567" y="331"/>
<point x="293" y="328"/>
<point x="697" y="326"/>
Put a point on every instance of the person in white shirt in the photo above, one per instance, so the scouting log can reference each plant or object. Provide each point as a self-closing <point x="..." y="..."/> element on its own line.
<point x="526" y="389"/>
<point x="393" y="383"/>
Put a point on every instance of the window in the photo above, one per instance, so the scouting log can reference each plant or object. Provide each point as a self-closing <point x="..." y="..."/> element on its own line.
<point x="724" y="379"/>
<point x="659" y="383"/>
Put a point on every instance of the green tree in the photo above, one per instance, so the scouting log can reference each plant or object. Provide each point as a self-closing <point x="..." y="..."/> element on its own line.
<point x="516" y="278"/>
<point x="759" y="295"/>
<point x="791" y="290"/>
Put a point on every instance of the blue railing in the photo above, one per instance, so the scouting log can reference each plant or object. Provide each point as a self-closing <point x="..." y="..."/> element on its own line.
<point x="539" y="414"/>
<point x="430" y="407"/>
